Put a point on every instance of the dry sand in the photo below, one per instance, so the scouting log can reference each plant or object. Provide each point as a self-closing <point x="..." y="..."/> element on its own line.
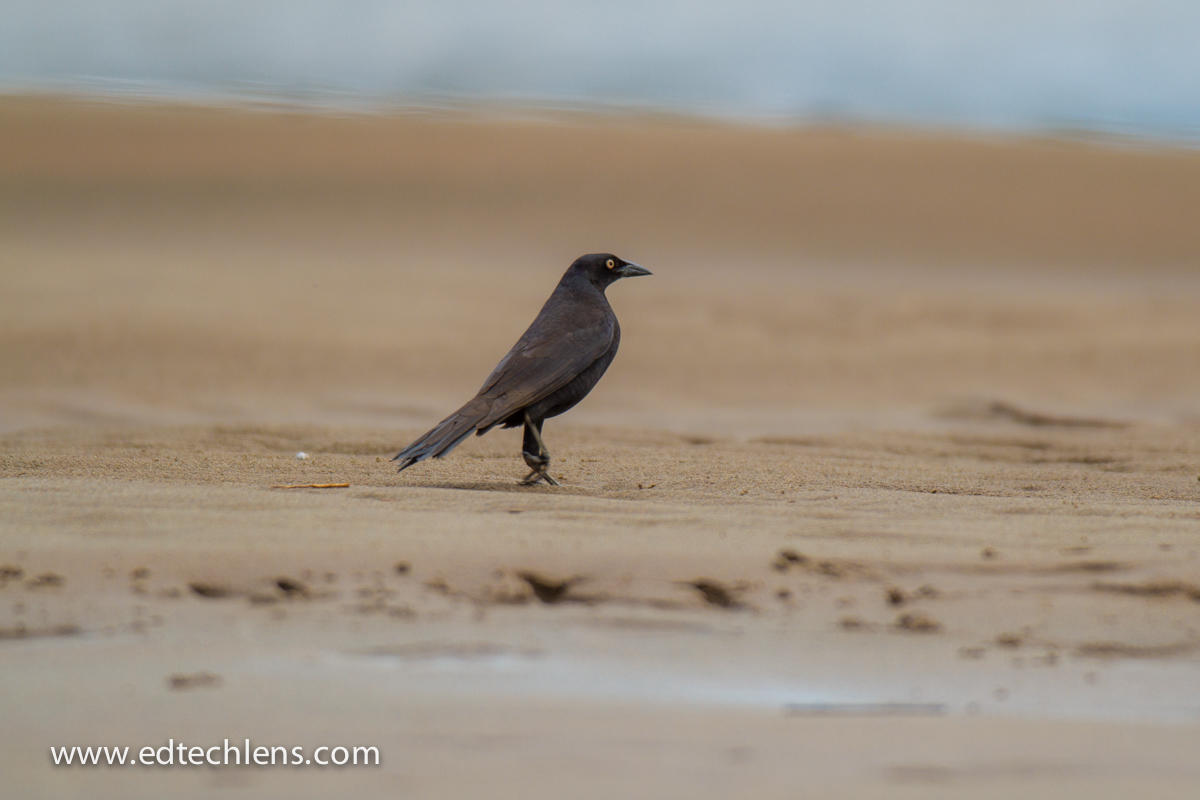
<point x="900" y="419"/>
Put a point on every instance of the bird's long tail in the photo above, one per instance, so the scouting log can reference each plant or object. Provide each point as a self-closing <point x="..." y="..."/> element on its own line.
<point x="446" y="435"/>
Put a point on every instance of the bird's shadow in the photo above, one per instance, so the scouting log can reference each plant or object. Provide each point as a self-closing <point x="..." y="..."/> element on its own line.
<point x="511" y="488"/>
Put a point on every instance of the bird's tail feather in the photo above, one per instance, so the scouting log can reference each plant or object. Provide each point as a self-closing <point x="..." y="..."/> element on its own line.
<point x="445" y="436"/>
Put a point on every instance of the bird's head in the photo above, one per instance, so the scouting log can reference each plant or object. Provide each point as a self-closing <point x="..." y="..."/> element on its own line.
<point x="602" y="269"/>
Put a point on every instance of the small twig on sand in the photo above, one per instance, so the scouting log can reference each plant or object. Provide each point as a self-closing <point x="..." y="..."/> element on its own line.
<point x="313" y="486"/>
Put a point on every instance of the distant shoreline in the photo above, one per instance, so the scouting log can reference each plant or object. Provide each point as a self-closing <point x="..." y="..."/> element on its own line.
<point x="342" y="103"/>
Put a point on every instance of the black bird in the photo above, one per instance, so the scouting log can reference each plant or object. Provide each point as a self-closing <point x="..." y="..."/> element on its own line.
<point x="553" y="366"/>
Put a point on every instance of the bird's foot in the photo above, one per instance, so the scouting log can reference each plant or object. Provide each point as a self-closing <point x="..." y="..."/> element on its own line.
<point x="539" y="464"/>
<point x="537" y="475"/>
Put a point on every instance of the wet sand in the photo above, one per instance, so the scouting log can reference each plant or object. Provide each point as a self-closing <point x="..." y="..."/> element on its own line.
<point x="892" y="490"/>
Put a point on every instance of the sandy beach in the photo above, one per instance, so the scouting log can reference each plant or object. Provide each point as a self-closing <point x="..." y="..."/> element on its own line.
<point x="892" y="491"/>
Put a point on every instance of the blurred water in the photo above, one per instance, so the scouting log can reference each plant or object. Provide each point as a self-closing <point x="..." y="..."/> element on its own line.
<point x="1118" y="66"/>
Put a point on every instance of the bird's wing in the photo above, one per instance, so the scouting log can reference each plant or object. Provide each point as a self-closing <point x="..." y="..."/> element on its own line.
<point x="555" y="349"/>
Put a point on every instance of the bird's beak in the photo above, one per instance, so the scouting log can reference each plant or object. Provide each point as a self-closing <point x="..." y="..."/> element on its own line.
<point x="631" y="270"/>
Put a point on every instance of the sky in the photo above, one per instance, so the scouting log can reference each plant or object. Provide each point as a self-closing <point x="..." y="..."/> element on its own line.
<point x="1118" y="66"/>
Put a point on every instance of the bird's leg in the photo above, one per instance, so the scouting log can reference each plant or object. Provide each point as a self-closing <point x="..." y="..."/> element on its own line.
<point x="536" y="456"/>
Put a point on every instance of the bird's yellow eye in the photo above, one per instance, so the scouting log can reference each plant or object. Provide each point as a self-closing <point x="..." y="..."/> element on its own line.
<point x="610" y="263"/>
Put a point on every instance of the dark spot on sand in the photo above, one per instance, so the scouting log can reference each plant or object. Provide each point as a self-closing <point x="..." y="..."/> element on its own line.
<point x="21" y="631"/>
<point x="1164" y="588"/>
<point x="1090" y="566"/>
<point x="917" y="623"/>
<point x="46" y="580"/>
<point x="830" y="569"/>
<point x="139" y="573"/>
<point x="402" y="567"/>
<point x="291" y="587"/>
<point x="715" y="593"/>
<point x="548" y="590"/>
<point x="1122" y="650"/>
<point x="438" y="585"/>
<point x="784" y="559"/>
<point x="194" y="680"/>
<point x="210" y="591"/>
